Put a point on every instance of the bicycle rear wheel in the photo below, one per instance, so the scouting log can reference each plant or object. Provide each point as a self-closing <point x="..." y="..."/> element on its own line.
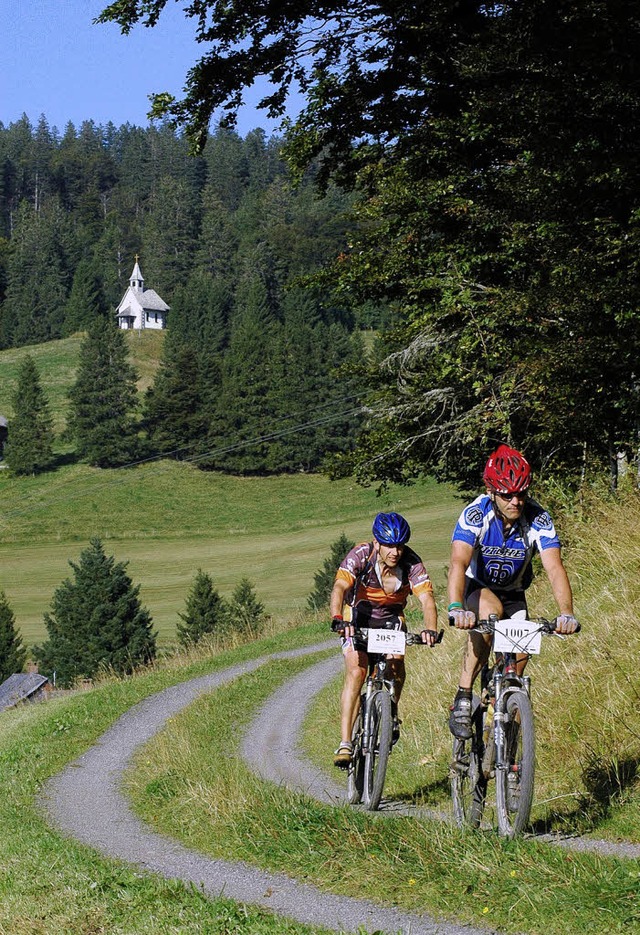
<point x="355" y="775"/>
<point x="514" y="785"/>
<point x="468" y="782"/>
<point x="378" y="747"/>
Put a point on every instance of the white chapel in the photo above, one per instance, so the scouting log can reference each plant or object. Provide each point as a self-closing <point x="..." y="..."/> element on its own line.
<point x="141" y="307"/>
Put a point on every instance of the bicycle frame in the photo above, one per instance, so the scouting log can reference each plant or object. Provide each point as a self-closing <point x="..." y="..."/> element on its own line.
<point x="504" y="749"/>
<point x="375" y="681"/>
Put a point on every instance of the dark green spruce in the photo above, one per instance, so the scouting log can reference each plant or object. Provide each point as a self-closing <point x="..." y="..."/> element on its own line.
<point x="205" y="612"/>
<point x="12" y="652"/>
<point x="103" y="399"/>
<point x="29" y="446"/>
<point x="96" y="623"/>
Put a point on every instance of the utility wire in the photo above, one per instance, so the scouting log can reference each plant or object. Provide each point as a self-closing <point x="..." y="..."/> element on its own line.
<point x="224" y="449"/>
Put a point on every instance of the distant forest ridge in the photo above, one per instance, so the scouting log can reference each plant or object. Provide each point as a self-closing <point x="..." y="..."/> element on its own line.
<point x="228" y="242"/>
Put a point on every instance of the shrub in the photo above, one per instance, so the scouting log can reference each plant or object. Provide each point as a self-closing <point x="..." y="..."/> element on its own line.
<point x="97" y="621"/>
<point x="205" y="613"/>
<point x="324" y="578"/>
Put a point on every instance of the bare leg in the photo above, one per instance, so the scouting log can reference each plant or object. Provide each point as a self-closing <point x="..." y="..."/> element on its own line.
<point x="482" y="602"/>
<point x="354" y="675"/>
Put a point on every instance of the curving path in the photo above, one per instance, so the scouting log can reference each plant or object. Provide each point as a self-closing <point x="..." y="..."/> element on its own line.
<point x="85" y="801"/>
<point x="272" y="749"/>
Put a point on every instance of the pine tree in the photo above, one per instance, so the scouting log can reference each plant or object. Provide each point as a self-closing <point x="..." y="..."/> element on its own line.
<point x="205" y="614"/>
<point x="174" y="419"/>
<point x="242" y="411"/>
<point x="29" y="448"/>
<point x="246" y="614"/>
<point x="86" y="301"/>
<point x="37" y="275"/>
<point x="12" y="652"/>
<point x="324" y="578"/>
<point x="96" y="622"/>
<point x="102" y="399"/>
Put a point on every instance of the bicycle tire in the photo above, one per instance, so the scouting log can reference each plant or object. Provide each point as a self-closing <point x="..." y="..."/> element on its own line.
<point x="468" y="782"/>
<point x="355" y="774"/>
<point x="514" y="785"/>
<point x="378" y="748"/>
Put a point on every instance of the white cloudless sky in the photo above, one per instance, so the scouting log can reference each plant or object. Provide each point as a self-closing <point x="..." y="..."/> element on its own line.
<point x="55" y="61"/>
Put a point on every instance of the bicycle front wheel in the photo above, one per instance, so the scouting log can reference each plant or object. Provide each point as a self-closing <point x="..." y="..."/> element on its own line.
<point x="378" y="747"/>
<point x="355" y="775"/>
<point x="514" y="784"/>
<point x="468" y="783"/>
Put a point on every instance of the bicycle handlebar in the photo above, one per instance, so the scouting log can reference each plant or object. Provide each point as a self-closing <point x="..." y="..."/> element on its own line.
<point x="488" y="626"/>
<point x="413" y="639"/>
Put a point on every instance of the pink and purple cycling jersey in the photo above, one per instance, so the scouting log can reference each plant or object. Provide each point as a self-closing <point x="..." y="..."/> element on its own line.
<point x="502" y="562"/>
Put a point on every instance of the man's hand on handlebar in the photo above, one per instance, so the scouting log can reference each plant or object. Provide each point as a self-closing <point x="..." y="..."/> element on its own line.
<point x="338" y="625"/>
<point x="431" y="637"/>
<point x="462" y="619"/>
<point x="566" y="623"/>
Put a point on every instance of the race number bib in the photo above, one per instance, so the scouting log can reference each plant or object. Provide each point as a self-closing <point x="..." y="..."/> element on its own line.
<point x="517" y="636"/>
<point x="387" y="641"/>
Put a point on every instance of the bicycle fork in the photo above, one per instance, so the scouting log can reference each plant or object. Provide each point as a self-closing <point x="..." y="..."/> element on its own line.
<point x="501" y="716"/>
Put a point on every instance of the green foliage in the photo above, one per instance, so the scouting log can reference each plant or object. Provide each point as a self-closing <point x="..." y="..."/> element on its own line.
<point x="86" y="300"/>
<point x="205" y="613"/>
<point x="494" y="151"/>
<point x="245" y="614"/>
<point x="37" y="275"/>
<point x="325" y="576"/>
<point x="12" y="652"/>
<point x="29" y="445"/>
<point x="96" y="622"/>
<point x="173" y="416"/>
<point x="102" y="399"/>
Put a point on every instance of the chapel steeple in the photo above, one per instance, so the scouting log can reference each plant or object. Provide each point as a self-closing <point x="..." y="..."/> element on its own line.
<point x="136" y="280"/>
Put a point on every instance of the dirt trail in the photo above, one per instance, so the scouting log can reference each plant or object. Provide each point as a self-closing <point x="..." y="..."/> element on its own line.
<point x="85" y="801"/>
<point x="272" y="749"/>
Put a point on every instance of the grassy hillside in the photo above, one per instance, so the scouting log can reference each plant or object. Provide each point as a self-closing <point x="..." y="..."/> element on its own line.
<point x="169" y="519"/>
<point x="57" y="361"/>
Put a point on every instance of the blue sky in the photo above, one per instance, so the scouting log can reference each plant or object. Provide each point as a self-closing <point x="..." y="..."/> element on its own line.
<point x="54" y="61"/>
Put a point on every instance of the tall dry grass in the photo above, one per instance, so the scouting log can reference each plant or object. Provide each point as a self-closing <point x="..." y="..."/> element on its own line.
<point x="586" y="689"/>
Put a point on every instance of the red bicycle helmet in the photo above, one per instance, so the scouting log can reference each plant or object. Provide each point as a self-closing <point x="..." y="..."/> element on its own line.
<point x="507" y="471"/>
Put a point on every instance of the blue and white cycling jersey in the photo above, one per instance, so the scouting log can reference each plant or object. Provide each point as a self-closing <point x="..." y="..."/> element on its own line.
<point x="500" y="563"/>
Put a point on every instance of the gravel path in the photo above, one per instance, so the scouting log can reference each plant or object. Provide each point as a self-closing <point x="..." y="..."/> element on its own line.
<point x="272" y="749"/>
<point x="85" y="802"/>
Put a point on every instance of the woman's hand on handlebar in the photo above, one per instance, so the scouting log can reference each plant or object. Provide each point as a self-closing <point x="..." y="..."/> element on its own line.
<point x="462" y="619"/>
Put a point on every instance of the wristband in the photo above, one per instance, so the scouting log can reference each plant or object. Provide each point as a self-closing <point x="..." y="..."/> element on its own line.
<point x="455" y="605"/>
<point x="337" y="617"/>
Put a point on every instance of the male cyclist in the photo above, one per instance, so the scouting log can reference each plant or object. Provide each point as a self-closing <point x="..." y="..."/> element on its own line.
<point x="493" y="545"/>
<point x="374" y="581"/>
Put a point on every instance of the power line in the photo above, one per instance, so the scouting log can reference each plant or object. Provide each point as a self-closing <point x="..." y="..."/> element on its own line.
<point x="214" y="452"/>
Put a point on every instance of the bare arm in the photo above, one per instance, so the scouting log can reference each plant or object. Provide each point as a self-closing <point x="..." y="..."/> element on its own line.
<point x="461" y="554"/>
<point x="429" y="612"/>
<point x="340" y="588"/>
<point x="557" y="575"/>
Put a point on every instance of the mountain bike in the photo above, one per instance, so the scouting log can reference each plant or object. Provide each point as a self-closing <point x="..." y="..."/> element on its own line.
<point x="372" y="735"/>
<point x="502" y="744"/>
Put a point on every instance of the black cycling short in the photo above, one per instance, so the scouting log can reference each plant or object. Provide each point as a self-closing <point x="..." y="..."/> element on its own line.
<point x="512" y="601"/>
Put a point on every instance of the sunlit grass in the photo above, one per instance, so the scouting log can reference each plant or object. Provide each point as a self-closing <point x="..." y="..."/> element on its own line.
<point x="191" y="784"/>
<point x="586" y="693"/>
<point x="52" y="884"/>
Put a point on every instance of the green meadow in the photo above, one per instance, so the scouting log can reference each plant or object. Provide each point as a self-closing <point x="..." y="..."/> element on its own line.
<point x="167" y="519"/>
